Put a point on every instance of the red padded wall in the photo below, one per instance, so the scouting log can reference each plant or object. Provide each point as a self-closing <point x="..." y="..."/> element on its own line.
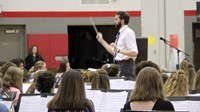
<point x="49" y="46"/>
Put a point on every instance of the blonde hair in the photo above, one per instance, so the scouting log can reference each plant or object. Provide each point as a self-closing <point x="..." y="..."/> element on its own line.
<point x="177" y="84"/>
<point x="192" y="76"/>
<point x="184" y="66"/>
<point x="197" y="85"/>
<point x="85" y="75"/>
<point x="13" y="78"/>
<point x="149" y="85"/>
<point x="38" y="65"/>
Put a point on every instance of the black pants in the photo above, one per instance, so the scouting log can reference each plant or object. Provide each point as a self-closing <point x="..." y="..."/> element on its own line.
<point x="126" y="67"/>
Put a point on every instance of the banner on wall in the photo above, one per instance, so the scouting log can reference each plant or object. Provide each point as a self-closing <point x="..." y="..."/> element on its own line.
<point x="174" y="40"/>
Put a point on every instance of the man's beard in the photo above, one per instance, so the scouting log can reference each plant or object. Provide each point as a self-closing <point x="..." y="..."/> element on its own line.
<point x="118" y="26"/>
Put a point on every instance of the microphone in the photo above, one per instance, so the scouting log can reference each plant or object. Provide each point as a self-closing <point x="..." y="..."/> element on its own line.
<point x="161" y="38"/>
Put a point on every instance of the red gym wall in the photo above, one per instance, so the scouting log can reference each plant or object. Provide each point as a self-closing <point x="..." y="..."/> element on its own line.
<point x="49" y="46"/>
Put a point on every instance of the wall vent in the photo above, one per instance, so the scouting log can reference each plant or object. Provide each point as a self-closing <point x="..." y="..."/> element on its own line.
<point x="95" y="2"/>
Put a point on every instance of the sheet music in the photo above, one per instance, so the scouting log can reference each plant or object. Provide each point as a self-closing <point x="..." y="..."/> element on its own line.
<point x="87" y="85"/>
<point x="34" y="103"/>
<point x="187" y="105"/>
<point x="180" y="105"/>
<point x="104" y="101"/>
<point x="118" y="99"/>
<point x="193" y="106"/>
<point x="121" y="84"/>
<point x="197" y="94"/>
<point x="96" y="97"/>
<point x="25" y="87"/>
<point x="45" y="101"/>
<point x="7" y="103"/>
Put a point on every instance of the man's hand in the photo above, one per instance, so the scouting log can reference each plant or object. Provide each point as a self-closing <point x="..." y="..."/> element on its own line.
<point x="99" y="37"/>
<point x="114" y="46"/>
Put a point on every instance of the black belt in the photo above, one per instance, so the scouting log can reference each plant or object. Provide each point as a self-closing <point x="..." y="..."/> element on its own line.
<point x="123" y="61"/>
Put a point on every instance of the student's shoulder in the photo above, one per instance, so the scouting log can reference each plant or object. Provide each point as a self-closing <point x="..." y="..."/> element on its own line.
<point x="163" y="104"/>
<point x="127" y="105"/>
<point x="163" y="101"/>
<point x="13" y="89"/>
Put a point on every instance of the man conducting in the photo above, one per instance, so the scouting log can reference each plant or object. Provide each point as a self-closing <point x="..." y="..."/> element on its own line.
<point x="124" y="49"/>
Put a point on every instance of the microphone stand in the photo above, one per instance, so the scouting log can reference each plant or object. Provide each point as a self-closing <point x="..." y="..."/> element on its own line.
<point x="178" y="51"/>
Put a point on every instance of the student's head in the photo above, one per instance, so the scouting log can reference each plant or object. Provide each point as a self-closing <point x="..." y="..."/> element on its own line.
<point x="177" y="84"/>
<point x="121" y="18"/>
<point x="45" y="82"/>
<point x="13" y="78"/>
<point x="149" y="86"/>
<point x="184" y="66"/>
<point x="64" y="66"/>
<point x="143" y="64"/>
<point x="85" y="74"/>
<point x="100" y="80"/>
<point x="105" y="67"/>
<point x="6" y="66"/>
<point x="40" y="65"/>
<point x="19" y="62"/>
<point x="111" y="69"/>
<point x="71" y="92"/>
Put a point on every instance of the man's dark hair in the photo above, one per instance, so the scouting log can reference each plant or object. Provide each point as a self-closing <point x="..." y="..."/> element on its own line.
<point x="123" y="15"/>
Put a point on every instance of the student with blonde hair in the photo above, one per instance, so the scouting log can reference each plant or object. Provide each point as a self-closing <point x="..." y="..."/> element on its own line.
<point x="71" y="95"/>
<point x="184" y="66"/>
<point x="148" y="92"/>
<point x="39" y="66"/>
<point x="12" y="81"/>
<point x="177" y="84"/>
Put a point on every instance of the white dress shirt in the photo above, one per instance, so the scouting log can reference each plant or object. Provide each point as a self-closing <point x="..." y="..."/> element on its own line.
<point x="126" y="41"/>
